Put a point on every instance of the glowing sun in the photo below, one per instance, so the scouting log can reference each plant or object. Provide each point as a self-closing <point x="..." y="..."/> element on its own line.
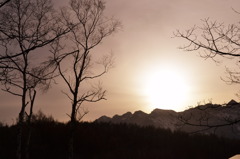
<point x="166" y="89"/>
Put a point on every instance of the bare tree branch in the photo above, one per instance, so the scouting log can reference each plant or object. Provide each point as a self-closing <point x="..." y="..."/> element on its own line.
<point x="25" y="27"/>
<point x="74" y="57"/>
<point x="4" y="3"/>
<point x="213" y="40"/>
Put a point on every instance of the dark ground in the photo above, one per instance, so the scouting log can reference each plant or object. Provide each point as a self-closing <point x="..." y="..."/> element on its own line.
<point x="110" y="141"/>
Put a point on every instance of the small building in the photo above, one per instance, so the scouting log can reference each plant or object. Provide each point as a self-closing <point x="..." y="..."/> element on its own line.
<point x="235" y="157"/>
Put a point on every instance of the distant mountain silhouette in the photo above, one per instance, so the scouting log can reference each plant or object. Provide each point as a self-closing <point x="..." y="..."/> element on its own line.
<point x="221" y="120"/>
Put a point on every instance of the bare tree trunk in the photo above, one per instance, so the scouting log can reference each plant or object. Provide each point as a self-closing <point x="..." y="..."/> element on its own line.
<point x="26" y="25"/>
<point x="90" y="28"/>
<point x="71" y="141"/>
<point x="20" y="130"/>
<point x="29" y="124"/>
<point x="72" y="131"/>
<point x="19" y="135"/>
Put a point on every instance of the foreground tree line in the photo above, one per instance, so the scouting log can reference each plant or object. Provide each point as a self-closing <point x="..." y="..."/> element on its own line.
<point x="39" y="43"/>
<point x="106" y="141"/>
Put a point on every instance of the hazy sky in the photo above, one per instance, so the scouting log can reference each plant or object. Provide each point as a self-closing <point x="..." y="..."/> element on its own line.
<point x="143" y="49"/>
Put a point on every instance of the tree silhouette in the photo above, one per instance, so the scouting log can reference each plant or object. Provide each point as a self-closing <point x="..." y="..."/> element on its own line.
<point x="214" y="40"/>
<point x="74" y="55"/>
<point x="25" y="27"/>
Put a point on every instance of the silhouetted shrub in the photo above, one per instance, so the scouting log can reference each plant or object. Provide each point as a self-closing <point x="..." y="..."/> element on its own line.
<point x="1" y="124"/>
<point x="41" y="117"/>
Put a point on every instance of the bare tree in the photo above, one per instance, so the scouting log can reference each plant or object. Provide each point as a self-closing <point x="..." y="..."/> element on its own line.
<point x="74" y="56"/>
<point x="214" y="40"/>
<point x="26" y="26"/>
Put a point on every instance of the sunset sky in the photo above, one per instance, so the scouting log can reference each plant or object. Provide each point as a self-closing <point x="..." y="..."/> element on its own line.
<point x="150" y="71"/>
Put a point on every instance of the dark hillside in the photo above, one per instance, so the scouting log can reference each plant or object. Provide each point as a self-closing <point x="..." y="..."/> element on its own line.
<point x="117" y="141"/>
<point x="202" y="119"/>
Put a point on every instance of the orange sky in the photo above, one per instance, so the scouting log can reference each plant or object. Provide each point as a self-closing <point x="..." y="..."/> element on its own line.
<point x="145" y="45"/>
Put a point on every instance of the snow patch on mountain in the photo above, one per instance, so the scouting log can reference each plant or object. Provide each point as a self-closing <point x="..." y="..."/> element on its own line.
<point x="206" y="119"/>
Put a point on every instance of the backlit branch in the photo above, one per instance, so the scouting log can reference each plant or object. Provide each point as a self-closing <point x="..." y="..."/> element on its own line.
<point x="214" y="39"/>
<point x="4" y="3"/>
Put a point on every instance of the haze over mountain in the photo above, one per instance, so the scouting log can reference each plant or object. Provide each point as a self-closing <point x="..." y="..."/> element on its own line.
<point x="208" y="119"/>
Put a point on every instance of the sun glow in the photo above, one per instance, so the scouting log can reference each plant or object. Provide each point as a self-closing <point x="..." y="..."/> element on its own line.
<point x="166" y="89"/>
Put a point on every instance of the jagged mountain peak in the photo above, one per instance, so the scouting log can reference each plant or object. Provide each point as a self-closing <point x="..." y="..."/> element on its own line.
<point x="139" y="113"/>
<point x="169" y="119"/>
<point x="157" y="111"/>
<point x="104" y="119"/>
<point x="232" y="102"/>
<point x="127" y="114"/>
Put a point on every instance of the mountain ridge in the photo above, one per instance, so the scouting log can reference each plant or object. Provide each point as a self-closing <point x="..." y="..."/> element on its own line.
<point x="207" y="119"/>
